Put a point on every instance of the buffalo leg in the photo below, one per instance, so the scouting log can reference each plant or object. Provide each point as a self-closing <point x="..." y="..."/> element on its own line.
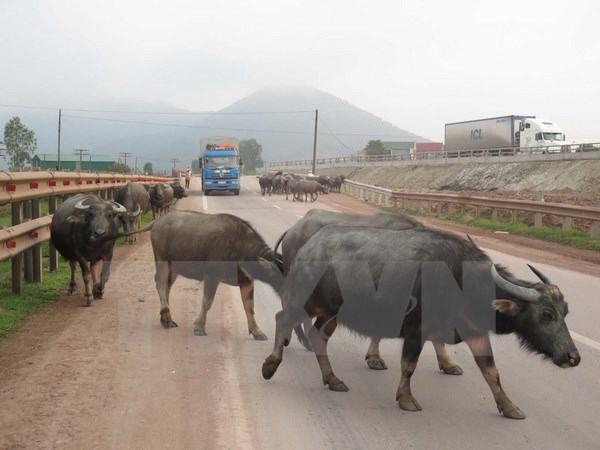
<point x="411" y="350"/>
<point x="72" y="284"/>
<point x="373" y="358"/>
<point x="210" y="289"/>
<point x="164" y="279"/>
<point x="95" y="269"/>
<point x="104" y="275"/>
<point x="482" y="352"/>
<point x="319" y="334"/>
<point x="87" y="281"/>
<point x="285" y="321"/>
<point x="247" y="292"/>
<point x="445" y="361"/>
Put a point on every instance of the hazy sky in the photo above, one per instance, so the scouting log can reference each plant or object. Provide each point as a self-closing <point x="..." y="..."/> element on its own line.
<point x="417" y="64"/>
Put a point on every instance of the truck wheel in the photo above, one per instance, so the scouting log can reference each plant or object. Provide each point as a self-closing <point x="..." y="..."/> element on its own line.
<point x="206" y="192"/>
<point x="236" y="191"/>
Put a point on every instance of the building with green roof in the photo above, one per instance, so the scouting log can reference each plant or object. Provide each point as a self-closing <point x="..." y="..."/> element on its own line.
<point x="71" y="163"/>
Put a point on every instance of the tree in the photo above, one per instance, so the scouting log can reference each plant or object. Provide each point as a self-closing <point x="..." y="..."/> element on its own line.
<point x="148" y="168"/>
<point x="119" y="167"/>
<point x="20" y="143"/>
<point x="375" y="148"/>
<point x="250" y="152"/>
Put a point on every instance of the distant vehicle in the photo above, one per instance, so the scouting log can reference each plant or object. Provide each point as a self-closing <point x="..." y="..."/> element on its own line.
<point x="503" y="133"/>
<point x="220" y="165"/>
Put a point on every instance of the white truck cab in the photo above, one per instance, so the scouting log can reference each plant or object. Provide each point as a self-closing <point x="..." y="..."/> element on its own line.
<point x="534" y="132"/>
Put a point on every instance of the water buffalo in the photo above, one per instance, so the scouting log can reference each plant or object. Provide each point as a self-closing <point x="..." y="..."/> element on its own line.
<point x="336" y="183"/>
<point x="406" y="264"/>
<point x="178" y="190"/>
<point x="266" y="184"/>
<point x="83" y="230"/>
<point x="136" y="200"/>
<point x="306" y="188"/>
<point x="214" y="248"/>
<point x="161" y="196"/>
<point x="315" y="219"/>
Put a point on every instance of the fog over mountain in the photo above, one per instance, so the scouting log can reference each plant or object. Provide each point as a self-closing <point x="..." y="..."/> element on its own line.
<point x="281" y="119"/>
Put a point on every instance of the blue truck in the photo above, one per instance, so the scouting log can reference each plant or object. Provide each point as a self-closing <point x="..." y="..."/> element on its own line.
<point x="220" y="165"/>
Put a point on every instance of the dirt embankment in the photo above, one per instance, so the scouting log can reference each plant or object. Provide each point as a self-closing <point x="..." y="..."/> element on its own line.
<point x="568" y="178"/>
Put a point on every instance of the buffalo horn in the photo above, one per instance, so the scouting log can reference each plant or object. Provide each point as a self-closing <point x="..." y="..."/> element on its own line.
<point x="80" y="205"/>
<point x="118" y="208"/>
<point x="522" y="293"/>
<point x="137" y="211"/>
<point x="540" y="275"/>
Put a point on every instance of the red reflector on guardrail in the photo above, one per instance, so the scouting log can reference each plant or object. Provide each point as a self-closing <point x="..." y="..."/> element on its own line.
<point x="34" y="235"/>
<point x="11" y="244"/>
<point x="52" y="183"/>
<point x="79" y="182"/>
<point x="34" y="185"/>
<point x="89" y="182"/>
<point x="11" y="187"/>
<point x="66" y="182"/>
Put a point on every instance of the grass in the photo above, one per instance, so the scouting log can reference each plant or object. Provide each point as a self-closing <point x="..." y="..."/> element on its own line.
<point x="573" y="238"/>
<point x="14" y="308"/>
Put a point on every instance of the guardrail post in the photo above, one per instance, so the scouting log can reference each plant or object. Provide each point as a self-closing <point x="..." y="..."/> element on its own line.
<point x="477" y="212"/>
<point x="495" y="214"/>
<point x="595" y="230"/>
<point x="36" y="252"/>
<point x="567" y="222"/>
<point x="538" y="220"/>
<point x="52" y="253"/>
<point x="28" y="253"/>
<point x="17" y="261"/>
<point x="513" y="216"/>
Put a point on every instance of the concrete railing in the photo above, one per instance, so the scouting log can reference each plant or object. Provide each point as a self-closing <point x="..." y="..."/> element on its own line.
<point x="497" y="155"/>
<point x="403" y="200"/>
<point x="21" y="242"/>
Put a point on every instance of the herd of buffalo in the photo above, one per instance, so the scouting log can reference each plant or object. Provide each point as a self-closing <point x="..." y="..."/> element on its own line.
<point x="382" y="276"/>
<point x="298" y="186"/>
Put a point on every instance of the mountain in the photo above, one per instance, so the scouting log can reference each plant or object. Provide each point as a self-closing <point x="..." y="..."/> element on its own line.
<point x="282" y="120"/>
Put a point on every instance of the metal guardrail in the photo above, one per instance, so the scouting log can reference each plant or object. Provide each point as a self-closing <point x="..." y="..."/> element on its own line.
<point x="23" y="191"/>
<point x="574" y="151"/>
<point x="383" y="196"/>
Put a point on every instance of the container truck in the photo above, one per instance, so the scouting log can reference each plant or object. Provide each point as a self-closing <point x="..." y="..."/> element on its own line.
<point x="504" y="132"/>
<point x="220" y="165"/>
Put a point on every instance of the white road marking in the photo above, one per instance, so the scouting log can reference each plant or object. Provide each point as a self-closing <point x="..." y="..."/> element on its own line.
<point x="585" y="340"/>
<point x="205" y="203"/>
<point x="277" y="206"/>
<point x="264" y="199"/>
<point x="300" y="216"/>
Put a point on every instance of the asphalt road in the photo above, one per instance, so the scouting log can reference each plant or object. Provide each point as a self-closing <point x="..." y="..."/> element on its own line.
<point x="110" y="376"/>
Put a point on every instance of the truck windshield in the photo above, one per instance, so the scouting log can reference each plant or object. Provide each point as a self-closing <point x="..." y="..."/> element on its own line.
<point x="220" y="161"/>
<point x="554" y="137"/>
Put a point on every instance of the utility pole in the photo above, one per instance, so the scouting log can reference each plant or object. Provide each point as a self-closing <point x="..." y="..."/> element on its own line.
<point x="314" y="161"/>
<point x="59" y="123"/>
<point x="80" y="152"/>
<point x="125" y="155"/>
<point x="174" y="161"/>
<point x="136" y="164"/>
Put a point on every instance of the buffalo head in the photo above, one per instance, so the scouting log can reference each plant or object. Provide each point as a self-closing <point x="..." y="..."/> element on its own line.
<point x="537" y="314"/>
<point x="98" y="218"/>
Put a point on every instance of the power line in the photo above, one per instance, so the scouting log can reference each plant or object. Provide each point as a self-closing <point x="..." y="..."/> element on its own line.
<point x="334" y="135"/>
<point x="125" y="155"/>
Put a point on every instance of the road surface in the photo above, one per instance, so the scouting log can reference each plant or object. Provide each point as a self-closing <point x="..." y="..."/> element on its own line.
<point x="110" y="376"/>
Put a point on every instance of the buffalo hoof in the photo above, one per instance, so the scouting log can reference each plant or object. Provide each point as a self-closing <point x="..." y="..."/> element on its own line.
<point x="87" y="301"/>
<point x="259" y="335"/>
<point x="72" y="288"/>
<point x="199" y="332"/>
<point x="511" y="411"/>
<point x="269" y="367"/>
<point x="336" y="385"/>
<point x="168" y="323"/>
<point x="98" y="293"/>
<point x="376" y="363"/>
<point x="408" y="403"/>
<point x="452" y="370"/>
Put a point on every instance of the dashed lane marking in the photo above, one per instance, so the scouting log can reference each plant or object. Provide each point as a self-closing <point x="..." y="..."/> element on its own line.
<point x="205" y="203"/>
<point x="585" y="340"/>
<point x="277" y="206"/>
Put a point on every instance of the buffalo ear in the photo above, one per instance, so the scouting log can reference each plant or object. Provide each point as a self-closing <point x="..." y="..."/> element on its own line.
<point x="508" y="307"/>
<point x="74" y="219"/>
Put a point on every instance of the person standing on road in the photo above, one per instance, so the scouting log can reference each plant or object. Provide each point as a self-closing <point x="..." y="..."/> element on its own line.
<point x="188" y="175"/>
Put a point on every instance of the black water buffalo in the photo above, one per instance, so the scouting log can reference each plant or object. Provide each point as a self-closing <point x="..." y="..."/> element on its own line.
<point x="307" y="188"/>
<point x="83" y="230"/>
<point x="336" y="183"/>
<point x="266" y="184"/>
<point x="136" y="200"/>
<point x="417" y="272"/>
<point x="214" y="248"/>
<point x="161" y="196"/>
<point x="178" y="190"/>
<point x="315" y="219"/>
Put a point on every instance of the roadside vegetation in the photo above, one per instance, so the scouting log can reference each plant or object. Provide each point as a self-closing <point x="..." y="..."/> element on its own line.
<point x="573" y="238"/>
